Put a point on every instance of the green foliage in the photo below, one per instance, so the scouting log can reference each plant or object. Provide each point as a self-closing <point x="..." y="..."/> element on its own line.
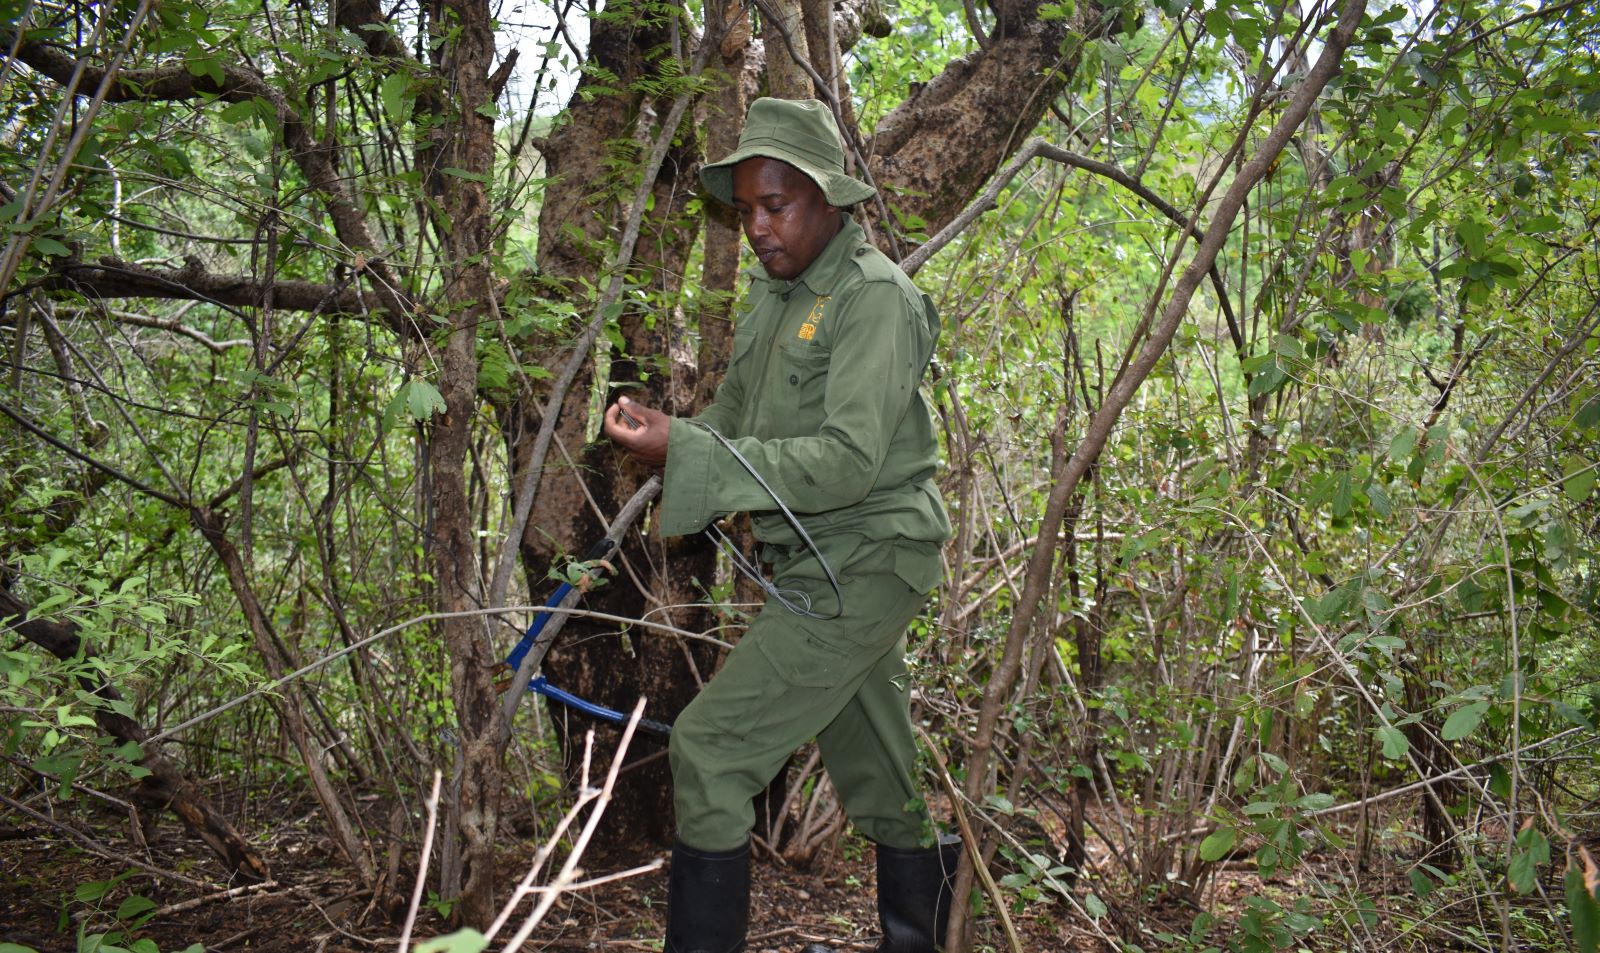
<point x="92" y="901"/>
<point x="461" y="941"/>
<point x="1581" y="890"/>
<point x="1329" y="546"/>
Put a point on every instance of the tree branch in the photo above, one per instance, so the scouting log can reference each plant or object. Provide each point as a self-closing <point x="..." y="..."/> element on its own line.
<point x="1038" y="148"/>
<point x="114" y="278"/>
<point x="79" y="455"/>
<point x="178" y="327"/>
<point x="172" y="82"/>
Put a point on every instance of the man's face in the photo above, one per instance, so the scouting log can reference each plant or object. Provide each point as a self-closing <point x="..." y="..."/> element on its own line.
<point x="786" y="218"/>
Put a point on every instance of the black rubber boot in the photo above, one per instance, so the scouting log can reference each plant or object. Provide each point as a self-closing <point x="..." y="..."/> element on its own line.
<point x="708" y="900"/>
<point x="915" y="888"/>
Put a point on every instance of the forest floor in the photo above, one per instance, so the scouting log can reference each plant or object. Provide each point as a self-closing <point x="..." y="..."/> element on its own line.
<point x="76" y="872"/>
<point x="56" y="873"/>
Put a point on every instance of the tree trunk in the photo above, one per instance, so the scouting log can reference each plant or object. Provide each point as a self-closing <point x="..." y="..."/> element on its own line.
<point x="591" y="659"/>
<point x="936" y="149"/>
<point x="465" y="31"/>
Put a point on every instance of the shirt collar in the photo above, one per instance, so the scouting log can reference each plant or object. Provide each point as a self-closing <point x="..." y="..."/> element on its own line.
<point x="823" y="273"/>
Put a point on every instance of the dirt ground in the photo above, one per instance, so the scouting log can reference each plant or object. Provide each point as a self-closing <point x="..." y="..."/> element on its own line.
<point x="52" y="868"/>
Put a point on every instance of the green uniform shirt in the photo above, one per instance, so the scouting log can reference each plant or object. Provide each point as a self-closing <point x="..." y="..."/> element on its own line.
<point x="821" y="397"/>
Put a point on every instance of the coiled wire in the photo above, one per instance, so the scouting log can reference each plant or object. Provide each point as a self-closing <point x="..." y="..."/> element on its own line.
<point x="795" y="600"/>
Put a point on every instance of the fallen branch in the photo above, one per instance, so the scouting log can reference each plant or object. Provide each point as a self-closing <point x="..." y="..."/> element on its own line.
<point x="422" y="864"/>
<point x="100" y="850"/>
<point x="193" y="902"/>
<point x="969" y="840"/>
<point x="165" y="787"/>
<point x="567" y="879"/>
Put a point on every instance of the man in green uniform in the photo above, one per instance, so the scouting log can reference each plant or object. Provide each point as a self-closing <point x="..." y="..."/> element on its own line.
<point x="820" y="401"/>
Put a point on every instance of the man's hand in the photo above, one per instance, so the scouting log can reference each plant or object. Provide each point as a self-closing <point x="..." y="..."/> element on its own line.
<point x="640" y="430"/>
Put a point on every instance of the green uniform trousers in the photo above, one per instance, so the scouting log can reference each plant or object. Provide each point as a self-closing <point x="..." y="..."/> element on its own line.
<point x="791" y="679"/>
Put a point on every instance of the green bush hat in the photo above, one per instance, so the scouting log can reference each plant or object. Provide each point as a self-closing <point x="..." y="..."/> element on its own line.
<point x="800" y="132"/>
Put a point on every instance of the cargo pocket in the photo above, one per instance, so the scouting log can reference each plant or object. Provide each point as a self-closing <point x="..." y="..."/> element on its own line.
<point x="805" y="660"/>
<point x="918" y="565"/>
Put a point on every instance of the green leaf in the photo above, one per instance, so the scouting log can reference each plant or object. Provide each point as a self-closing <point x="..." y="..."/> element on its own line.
<point x="1381" y="504"/>
<point x="1315" y="802"/>
<point x="1573" y="715"/>
<point x="423" y="400"/>
<point x="999" y="804"/>
<point x="51" y="247"/>
<point x="1243" y="774"/>
<point x="1578" y="478"/>
<point x="1333" y="604"/>
<point x="1463" y="721"/>
<point x="1499" y="781"/>
<point x="1584" y="911"/>
<point x="1269" y="380"/>
<point x="1421" y="883"/>
<point x="133" y="906"/>
<point x="1343" y="496"/>
<point x="1534" y="852"/>
<point x="1588" y="414"/>
<point x="465" y="940"/>
<point x="1523" y="872"/>
<point x="1217" y="844"/>
<point x="242" y="111"/>
<point x="395" y="94"/>
<point x="1394" y="742"/>
<point x="94" y="890"/>
<point x="1472" y="234"/>
<point x="1094" y="907"/>
<point x="1218" y="24"/>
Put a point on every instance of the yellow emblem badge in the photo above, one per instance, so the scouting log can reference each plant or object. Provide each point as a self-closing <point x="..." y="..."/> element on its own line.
<point x="809" y="329"/>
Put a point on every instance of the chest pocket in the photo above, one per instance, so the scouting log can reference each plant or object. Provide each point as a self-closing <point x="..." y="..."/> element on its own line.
<point x="801" y="383"/>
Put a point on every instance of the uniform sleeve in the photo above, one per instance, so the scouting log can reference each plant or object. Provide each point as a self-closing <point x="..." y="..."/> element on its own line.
<point x="727" y="405"/>
<point x="723" y="412"/>
<point x="877" y="353"/>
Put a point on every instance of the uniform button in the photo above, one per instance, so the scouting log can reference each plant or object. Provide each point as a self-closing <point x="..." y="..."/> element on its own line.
<point x="861" y="251"/>
<point x="784" y="296"/>
<point x="794" y="378"/>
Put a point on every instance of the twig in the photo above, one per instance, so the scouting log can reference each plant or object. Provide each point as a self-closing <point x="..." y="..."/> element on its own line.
<point x="971" y="840"/>
<point x="567" y="878"/>
<point x="422" y="864"/>
<point x="418" y="620"/>
<point x="193" y="902"/>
